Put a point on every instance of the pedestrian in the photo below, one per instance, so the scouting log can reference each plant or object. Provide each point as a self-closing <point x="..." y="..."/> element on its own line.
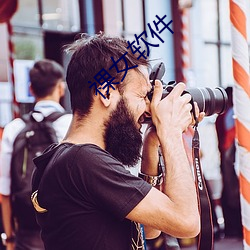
<point x="83" y="195"/>
<point x="48" y="86"/>
<point x="225" y="126"/>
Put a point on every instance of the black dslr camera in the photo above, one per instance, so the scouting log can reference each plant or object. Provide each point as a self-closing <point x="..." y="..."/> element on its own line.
<point x="210" y="101"/>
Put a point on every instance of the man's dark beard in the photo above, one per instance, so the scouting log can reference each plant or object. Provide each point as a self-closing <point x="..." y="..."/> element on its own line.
<point x="122" y="138"/>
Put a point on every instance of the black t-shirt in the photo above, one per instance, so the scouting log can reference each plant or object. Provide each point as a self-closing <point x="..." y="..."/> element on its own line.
<point x="88" y="194"/>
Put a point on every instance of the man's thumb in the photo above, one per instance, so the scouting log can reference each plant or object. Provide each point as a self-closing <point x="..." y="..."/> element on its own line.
<point x="157" y="93"/>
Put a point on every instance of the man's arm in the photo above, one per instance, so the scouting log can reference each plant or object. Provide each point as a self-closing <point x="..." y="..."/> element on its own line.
<point x="175" y="211"/>
<point x="149" y="166"/>
<point x="7" y="220"/>
<point x="9" y="134"/>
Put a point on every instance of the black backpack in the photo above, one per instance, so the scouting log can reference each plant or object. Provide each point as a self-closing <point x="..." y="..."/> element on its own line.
<point x="37" y="135"/>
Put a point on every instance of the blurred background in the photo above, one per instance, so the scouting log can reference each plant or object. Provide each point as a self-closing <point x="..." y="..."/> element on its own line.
<point x="199" y="53"/>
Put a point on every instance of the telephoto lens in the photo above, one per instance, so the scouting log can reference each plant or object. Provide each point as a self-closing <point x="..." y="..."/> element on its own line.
<point x="210" y="101"/>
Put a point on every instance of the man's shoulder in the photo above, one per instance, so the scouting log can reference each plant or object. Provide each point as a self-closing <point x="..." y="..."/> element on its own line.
<point x="93" y="154"/>
<point x="85" y="157"/>
<point x="79" y="150"/>
<point x="63" y="121"/>
<point x="68" y="156"/>
<point x="96" y="159"/>
<point x="13" y="128"/>
<point x="65" y="117"/>
<point x="91" y="150"/>
<point x="18" y="122"/>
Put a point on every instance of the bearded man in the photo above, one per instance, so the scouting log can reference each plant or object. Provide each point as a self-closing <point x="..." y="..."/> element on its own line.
<point x="84" y="196"/>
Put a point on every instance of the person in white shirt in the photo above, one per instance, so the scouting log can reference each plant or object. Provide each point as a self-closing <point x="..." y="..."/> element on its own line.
<point x="48" y="86"/>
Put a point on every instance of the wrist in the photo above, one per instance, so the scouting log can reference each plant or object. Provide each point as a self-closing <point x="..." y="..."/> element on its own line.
<point x="8" y="239"/>
<point x="169" y="139"/>
<point x="166" y="133"/>
<point x="151" y="138"/>
<point x="154" y="180"/>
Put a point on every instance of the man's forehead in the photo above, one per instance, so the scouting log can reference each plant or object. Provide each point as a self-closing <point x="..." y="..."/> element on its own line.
<point x="138" y="79"/>
<point x="145" y="75"/>
<point x="144" y="70"/>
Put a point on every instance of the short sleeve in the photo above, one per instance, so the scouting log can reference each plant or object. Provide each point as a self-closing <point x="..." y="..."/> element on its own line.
<point x="107" y="183"/>
<point x="10" y="133"/>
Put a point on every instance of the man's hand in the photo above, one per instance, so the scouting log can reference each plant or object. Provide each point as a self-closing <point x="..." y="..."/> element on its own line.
<point x="199" y="115"/>
<point x="171" y="115"/>
<point x="175" y="209"/>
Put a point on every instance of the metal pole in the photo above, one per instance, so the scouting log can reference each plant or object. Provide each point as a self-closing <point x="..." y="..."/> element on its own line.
<point x="40" y="13"/>
<point x="144" y="14"/>
<point x="123" y="18"/>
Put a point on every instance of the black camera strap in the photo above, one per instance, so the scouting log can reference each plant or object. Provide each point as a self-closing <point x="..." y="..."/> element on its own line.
<point x="205" y="238"/>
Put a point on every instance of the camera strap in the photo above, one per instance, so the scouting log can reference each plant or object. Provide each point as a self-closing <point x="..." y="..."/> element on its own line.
<point x="205" y="238"/>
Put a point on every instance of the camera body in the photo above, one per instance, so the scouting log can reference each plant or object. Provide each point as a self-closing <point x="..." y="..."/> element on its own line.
<point x="210" y="101"/>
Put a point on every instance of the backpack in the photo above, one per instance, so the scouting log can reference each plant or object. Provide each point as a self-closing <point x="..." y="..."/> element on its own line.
<point x="37" y="135"/>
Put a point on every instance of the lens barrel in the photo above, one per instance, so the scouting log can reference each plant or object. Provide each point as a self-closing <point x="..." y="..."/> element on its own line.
<point x="210" y="101"/>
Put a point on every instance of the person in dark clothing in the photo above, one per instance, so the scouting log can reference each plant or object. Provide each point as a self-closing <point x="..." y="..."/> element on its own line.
<point x="84" y="196"/>
<point x="225" y="126"/>
<point x="47" y="86"/>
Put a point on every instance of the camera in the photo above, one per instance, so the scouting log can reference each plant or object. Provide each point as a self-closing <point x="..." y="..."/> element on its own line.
<point x="210" y="101"/>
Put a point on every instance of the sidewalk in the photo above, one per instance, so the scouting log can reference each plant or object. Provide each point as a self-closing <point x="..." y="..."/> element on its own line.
<point x="223" y="244"/>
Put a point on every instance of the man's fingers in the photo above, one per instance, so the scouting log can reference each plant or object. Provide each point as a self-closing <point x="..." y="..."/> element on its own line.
<point x="177" y="90"/>
<point x="157" y="93"/>
<point x="186" y="98"/>
<point x="199" y="115"/>
<point x="196" y="109"/>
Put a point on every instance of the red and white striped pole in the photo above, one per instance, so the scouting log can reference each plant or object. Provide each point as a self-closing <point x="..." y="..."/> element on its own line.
<point x="241" y="95"/>
<point x="185" y="56"/>
<point x="185" y="65"/>
<point x="11" y="69"/>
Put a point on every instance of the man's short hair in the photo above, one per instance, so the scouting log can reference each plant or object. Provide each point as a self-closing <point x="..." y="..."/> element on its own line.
<point x="44" y="76"/>
<point x="91" y="54"/>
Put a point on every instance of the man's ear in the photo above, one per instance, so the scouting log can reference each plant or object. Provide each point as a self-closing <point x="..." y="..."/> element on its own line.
<point x="105" y="97"/>
<point x="31" y="90"/>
